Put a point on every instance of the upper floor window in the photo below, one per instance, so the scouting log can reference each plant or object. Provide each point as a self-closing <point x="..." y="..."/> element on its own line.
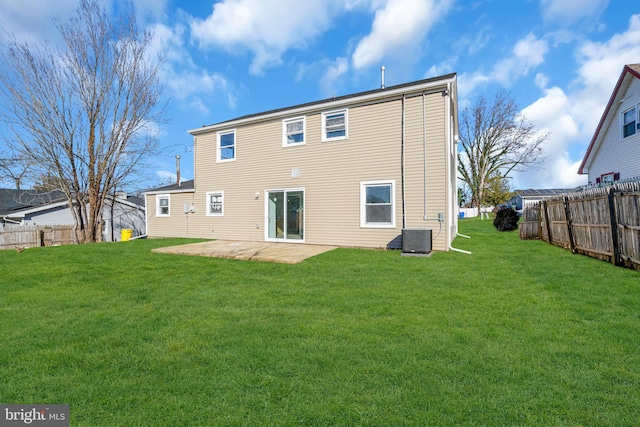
<point x="162" y="205"/>
<point x="226" y="146"/>
<point x="629" y="122"/>
<point x="335" y="125"/>
<point x="215" y="203"/>
<point x="293" y="131"/>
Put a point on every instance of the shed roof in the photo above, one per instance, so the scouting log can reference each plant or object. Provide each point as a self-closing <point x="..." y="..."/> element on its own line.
<point x="185" y="186"/>
<point x="544" y="192"/>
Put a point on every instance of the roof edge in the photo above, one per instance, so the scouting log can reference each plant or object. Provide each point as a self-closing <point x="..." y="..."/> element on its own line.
<point x="332" y="102"/>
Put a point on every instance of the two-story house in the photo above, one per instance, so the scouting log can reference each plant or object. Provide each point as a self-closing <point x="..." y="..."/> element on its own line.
<point x="353" y="170"/>
<point x="614" y="152"/>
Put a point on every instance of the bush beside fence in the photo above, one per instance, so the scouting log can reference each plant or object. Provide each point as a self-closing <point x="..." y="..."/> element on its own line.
<point x="602" y="223"/>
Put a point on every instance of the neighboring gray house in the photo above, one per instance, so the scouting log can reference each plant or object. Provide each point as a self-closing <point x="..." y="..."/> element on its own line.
<point x="614" y="152"/>
<point x="123" y="212"/>
<point x="524" y="198"/>
<point x="32" y="207"/>
<point x="20" y="207"/>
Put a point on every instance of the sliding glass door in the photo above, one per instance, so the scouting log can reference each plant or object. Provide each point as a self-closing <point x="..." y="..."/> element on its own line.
<point x="285" y="215"/>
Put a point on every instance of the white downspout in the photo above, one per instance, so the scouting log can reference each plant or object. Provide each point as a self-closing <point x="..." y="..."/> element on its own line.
<point x="402" y="166"/>
<point x="449" y="151"/>
<point x="424" y="159"/>
<point x="146" y="214"/>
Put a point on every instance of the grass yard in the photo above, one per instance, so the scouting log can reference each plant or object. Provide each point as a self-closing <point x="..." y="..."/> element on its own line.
<point x="518" y="333"/>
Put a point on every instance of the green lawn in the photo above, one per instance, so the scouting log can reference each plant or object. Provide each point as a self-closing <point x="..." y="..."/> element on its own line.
<point x="518" y="333"/>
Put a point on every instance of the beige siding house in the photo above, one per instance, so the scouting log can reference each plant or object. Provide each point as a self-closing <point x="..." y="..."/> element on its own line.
<point x="349" y="171"/>
<point x="614" y="152"/>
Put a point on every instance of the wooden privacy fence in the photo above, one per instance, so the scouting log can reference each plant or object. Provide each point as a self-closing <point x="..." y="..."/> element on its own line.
<point x="29" y="236"/>
<point x="602" y="223"/>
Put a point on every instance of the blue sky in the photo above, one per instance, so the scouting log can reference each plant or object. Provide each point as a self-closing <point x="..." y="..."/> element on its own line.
<point x="560" y="59"/>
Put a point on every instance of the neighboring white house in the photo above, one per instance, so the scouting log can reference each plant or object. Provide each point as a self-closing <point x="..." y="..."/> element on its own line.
<point x="31" y="207"/>
<point x="614" y="152"/>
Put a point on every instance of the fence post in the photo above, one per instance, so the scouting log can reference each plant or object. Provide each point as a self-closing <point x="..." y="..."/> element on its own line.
<point x="546" y="221"/>
<point x="614" y="227"/>
<point x="567" y="217"/>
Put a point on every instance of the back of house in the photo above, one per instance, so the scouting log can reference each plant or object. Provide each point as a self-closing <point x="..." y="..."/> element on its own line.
<point x="351" y="171"/>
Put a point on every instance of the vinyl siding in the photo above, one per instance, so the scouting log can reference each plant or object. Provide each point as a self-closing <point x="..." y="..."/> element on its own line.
<point x="175" y="225"/>
<point x="616" y="154"/>
<point x="330" y="173"/>
<point x="55" y="216"/>
<point x="434" y="165"/>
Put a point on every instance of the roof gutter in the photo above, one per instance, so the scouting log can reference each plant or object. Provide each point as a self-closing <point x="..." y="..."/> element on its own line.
<point x="7" y="219"/>
<point x="329" y="104"/>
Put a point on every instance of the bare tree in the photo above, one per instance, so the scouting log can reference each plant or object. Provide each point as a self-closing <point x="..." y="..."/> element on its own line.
<point x="83" y="112"/>
<point x="15" y="169"/>
<point x="495" y="140"/>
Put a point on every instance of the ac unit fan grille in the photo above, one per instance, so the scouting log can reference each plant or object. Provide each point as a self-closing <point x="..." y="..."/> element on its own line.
<point x="416" y="241"/>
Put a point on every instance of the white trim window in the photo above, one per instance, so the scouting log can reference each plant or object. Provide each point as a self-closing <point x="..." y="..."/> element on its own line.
<point x="226" y="146"/>
<point x="215" y="203"/>
<point x="163" y="202"/>
<point x="294" y="131"/>
<point x="335" y="125"/>
<point x="629" y="120"/>
<point x="377" y="204"/>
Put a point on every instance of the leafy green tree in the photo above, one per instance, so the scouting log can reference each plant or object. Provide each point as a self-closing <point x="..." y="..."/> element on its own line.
<point x="497" y="191"/>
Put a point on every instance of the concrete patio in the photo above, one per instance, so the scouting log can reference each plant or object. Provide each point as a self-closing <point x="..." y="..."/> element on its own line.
<point x="288" y="253"/>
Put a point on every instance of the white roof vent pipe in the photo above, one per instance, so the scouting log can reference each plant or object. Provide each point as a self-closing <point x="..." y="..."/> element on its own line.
<point x="382" y="76"/>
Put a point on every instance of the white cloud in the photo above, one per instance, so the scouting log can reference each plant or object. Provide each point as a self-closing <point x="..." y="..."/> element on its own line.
<point x="267" y="28"/>
<point x="527" y="54"/>
<point x="181" y="76"/>
<point x="167" y="177"/>
<point x="333" y="74"/>
<point x="398" y="29"/>
<point x="31" y="19"/>
<point x="572" y="11"/>
<point x="573" y="116"/>
<point x="552" y="113"/>
<point x="600" y="67"/>
<point x="149" y="9"/>
<point x="442" y="68"/>
<point x="18" y="18"/>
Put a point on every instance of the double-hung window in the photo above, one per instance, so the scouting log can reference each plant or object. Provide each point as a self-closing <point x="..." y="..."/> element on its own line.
<point x="215" y="203"/>
<point x="629" y="120"/>
<point x="226" y="151"/>
<point x="377" y="204"/>
<point x="293" y="131"/>
<point x="335" y="125"/>
<point x="162" y="205"/>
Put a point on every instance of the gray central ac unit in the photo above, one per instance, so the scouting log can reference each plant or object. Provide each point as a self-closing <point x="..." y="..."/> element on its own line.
<point x="416" y="241"/>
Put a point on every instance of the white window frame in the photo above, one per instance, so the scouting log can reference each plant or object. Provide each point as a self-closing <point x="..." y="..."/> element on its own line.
<point x="363" y="204"/>
<point x="211" y="193"/>
<point x="636" y="116"/>
<point x="158" y="207"/>
<point x="345" y="111"/>
<point x="607" y="178"/>
<point x="285" y="134"/>
<point x="219" y="136"/>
